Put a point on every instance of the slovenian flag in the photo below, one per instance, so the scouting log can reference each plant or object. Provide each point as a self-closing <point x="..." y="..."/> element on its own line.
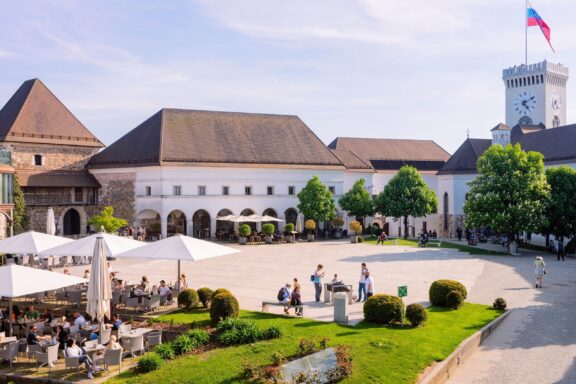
<point x="534" y="19"/>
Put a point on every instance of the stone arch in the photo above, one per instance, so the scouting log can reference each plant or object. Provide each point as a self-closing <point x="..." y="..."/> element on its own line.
<point x="291" y="215"/>
<point x="176" y="221"/>
<point x="222" y="226"/>
<point x="151" y="220"/>
<point x="201" y="224"/>
<point x="73" y="221"/>
<point x="248" y="212"/>
<point x="271" y="212"/>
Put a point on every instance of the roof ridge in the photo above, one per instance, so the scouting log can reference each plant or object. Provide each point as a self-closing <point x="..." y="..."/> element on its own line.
<point x="319" y="140"/>
<point x="26" y="99"/>
<point x="228" y="112"/>
<point x="358" y="157"/>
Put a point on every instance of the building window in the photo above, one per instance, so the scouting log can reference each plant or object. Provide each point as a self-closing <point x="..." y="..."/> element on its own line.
<point x="78" y="195"/>
<point x="148" y="190"/>
<point x="225" y="190"/>
<point x="247" y="191"/>
<point x="202" y="190"/>
<point x="177" y="190"/>
<point x="37" y="159"/>
<point x="332" y="190"/>
<point x="556" y="122"/>
<point x="291" y="190"/>
<point x="269" y="190"/>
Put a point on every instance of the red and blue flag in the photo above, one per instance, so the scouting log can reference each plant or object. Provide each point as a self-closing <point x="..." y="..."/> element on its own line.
<point x="534" y="19"/>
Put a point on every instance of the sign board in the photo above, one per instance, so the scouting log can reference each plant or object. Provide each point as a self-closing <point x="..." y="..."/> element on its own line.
<point x="403" y="291"/>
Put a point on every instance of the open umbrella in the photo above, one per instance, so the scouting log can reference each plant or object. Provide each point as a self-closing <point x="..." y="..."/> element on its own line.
<point x="179" y="247"/>
<point x="99" y="287"/>
<point x="31" y="243"/>
<point x="17" y="281"/>
<point x="113" y="245"/>
<point x="50" y="222"/>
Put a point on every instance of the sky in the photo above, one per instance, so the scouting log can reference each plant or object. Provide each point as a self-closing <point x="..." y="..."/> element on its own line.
<point x="410" y="69"/>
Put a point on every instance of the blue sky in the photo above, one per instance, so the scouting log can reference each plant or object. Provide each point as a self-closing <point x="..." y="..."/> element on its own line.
<point x="369" y="68"/>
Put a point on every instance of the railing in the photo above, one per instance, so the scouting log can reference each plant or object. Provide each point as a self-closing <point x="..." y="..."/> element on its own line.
<point x="56" y="198"/>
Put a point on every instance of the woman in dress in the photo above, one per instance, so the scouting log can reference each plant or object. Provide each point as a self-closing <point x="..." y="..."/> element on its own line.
<point x="539" y="270"/>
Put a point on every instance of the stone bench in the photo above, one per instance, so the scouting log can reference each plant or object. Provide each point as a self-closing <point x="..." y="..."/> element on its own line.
<point x="436" y="243"/>
<point x="266" y="304"/>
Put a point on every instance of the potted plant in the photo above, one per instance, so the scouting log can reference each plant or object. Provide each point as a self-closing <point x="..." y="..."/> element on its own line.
<point x="310" y="226"/>
<point x="268" y="230"/>
<point x="244" y="230"/>
<point x="288" y="229"/>
<point x="338" y="223"/>
<point x="355" y="227"/>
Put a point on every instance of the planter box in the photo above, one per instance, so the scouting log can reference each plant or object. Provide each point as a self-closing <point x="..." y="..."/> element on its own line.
<point x="242" y="240"/>
<point x="337" y="235"/>
<point x="310" y="237"/>
<point x="354" y="239"/>
<point x="289" y="238"/>
<point x="268" y="239"/>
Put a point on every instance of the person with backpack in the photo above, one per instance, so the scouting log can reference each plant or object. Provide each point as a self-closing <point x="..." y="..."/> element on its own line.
<point x="284" y="295"/>
<point x="316" y="278"/>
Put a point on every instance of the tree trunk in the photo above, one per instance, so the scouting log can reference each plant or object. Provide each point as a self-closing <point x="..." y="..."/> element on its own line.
<point x="405" y="227"/>
<point x="510" y="237"/>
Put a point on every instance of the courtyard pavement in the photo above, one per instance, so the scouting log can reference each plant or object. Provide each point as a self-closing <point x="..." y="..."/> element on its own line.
<point x="536" y="344"/>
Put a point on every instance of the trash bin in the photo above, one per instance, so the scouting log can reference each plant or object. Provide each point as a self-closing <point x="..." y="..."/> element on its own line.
<point x="340" y="308"/>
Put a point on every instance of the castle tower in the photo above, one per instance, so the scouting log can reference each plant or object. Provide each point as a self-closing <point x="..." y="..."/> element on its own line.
<point x="535" y="94"/>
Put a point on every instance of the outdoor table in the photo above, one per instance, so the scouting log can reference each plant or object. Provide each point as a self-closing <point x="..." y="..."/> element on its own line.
<point x="254" y="239"/>
<point x="136" y="332"/>
<point x="94" y="350"/>
<point x="7" y="340"/>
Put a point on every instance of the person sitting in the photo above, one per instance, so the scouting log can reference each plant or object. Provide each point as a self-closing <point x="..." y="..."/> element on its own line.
<point x="93" y="335"/>
<point x="164" y="291"/>
<point x="116" y="322"/>
<point x="73" y="350"/>
<point x="62" y="336"/>
<point x="48" y="317"/>
<point x="336" y="280"/>
<point x="422" y="240"/>
<point x="284" y="297"/>
<point x="79" y="320"/>
<point x="113" y="344"/>
<point x="145" y="284"/>
<point x="296" y="300"/>
<point x="33" y="338"/>
<point x="65" y="322"/>
<point x="434" y="234"/>
<point x="32" y="313"/>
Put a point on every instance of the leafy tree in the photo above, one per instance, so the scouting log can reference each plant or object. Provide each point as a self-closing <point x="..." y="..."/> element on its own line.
<point x="406" y="195"/>
<point x="560" y="208"/>
<point x="510" y="192"/>
<point x="357" y="201"/>
<point x="20" y="218"/>
<point x="107" y="220"/>
<point x="316" y="201"/>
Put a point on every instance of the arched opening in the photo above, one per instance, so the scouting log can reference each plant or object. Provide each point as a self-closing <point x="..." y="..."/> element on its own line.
<point x="224" y="228"/>
<point x="291" y="215"/>
<point x="248" y="212"/>
<point x="176" y="223"/>
<point x="201" y="224"/>
<point x="272" y="213"/>
<point x="446" y="211"/>
<point x="150" y="220"/>
<point x="71" y="222"/>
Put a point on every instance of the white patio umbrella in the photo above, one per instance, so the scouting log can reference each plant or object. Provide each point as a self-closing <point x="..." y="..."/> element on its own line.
<point x="113" y="245"/>
<point x="50" y="222"/>
<point x="99" y="287"/>
<point x="179" y="247"/>
<point x="270" y="218"/>
<point x="31" y="243"/>
<point x="16" y="281"/>
<point x="299" y="223"/>
<point x="227" y="218"/>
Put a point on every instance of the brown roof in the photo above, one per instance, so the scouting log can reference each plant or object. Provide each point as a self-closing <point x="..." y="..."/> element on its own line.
<point x="34" y="115"/>
<point x="350" y="160"/>
<point x="501" y="127"/>
<point x="188" y="136"/>
<point x="57" y="179"/>
<point x="391" y="149"/>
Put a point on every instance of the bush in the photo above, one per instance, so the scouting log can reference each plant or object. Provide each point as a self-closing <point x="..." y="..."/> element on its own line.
<point x="360" y="239"/>
<point x="499" y="304"/>
<point x="165" y="351"/>
<point x="268" y="228"/>
<point x="183" y="344"/>
<point x="383" y="309"/>
<point x="338" y="222"/>
<point x="188" y="299"/>
<point x="273" y="332"/>
<point x="219" y="291"/>
<point x="441" y="288"/>
<point x="288" y="228"/>
<point x="244" y="230"/>
<point x="454" y="300"/>
<point x="149" y="362"/>
<point x="310" y="225"/>
<point x="416" y="314"/>
<point x="223" y="305"/>
<point x="199" y="337"/>
<point x="205" y="295"/>
<point x="355" y="227"/>
<point x="238" y="331"/>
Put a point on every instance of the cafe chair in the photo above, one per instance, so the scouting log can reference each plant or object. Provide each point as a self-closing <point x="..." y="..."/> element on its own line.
<point x="9" y="352"/>
<point x="49" y="357"/>
<point x="153" y="339"/>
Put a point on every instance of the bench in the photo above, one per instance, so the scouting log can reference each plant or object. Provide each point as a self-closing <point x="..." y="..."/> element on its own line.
<point x="266" y="304"/>
<point x="436" y="243"/>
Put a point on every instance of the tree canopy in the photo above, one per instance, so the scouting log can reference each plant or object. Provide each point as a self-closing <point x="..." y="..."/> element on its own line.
<point x="357" y="201"/>
<point x="560" y="209"/>
<point x="316" y="201"/>
<point x="20" y="218"/>
<point x="107" y="220"/>
<point x="510" y="192"/>
<point x="407" y="194"/>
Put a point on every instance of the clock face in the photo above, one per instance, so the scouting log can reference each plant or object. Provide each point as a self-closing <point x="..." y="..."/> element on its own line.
<point x="525" y="103"/>
<point x="556" y="101"/>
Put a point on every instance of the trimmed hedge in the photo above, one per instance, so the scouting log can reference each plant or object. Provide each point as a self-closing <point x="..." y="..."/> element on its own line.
<point x="499" y="303"/>
<point x="233" y="331"/>
<point x="220" y="290"/>
<point x="188" y="299"/>
<point x="383" y="309"/>
<point x="150" y="362"/>
<point x="416" y="314"/>
<point x="223" y="305"/>
<point x="441" y="288"/>
<point x="454" y="300"/>
<point x="205" y="295"/>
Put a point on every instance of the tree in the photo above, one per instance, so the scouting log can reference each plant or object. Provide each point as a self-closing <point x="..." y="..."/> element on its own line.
<point x="19" y="216"/>
<point x="107" y="220"/>
<point x="316" y="201"/>
<point x="560" y="210"/>
<point x="510" y="192"/>
<point x="406" y="195"/>
<point x="357" y="201"/>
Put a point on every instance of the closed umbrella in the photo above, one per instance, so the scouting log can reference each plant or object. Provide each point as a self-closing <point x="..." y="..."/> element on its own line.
<point x="299" y="223"/>
<point x="50" y="222"/>
<point x="99" y="287"/>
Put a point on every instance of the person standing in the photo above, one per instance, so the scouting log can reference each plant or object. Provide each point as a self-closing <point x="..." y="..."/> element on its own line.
<point x="362" y="283"/>
<point x="459" y="233"/>
<point x="317" y="279"/>
<point x="560" y="249"/>
<point x="539" y="271"/>
<point x="369" y="285"/>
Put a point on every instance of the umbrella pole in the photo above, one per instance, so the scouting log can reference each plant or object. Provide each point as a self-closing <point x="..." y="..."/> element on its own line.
<point x="178" y="279"/>
<point x="9" y="317"/>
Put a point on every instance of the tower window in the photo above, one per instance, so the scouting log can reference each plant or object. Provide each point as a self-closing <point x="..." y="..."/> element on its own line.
<point x="38" y="160"/>
<point x="541" y="78"/>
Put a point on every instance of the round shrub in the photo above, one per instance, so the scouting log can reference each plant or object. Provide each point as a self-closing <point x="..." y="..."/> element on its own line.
<point x="223" y="305"/>
<point x="274" y="332"/>
<point x="205" y="295"/>
<point x="219" y="291"/>
<point x="244" y="230"/>
<point x="165" y="351"/>
<point x="188" y="298"/>
<point x="454" y="300"/>
<point x="355" y="227"/>
<point x="416" y="314"/>
<point x="150" y="362"/>
<point x="289" y="228"/>
<point x="383" y="309"/>
<point x="268" y="228"/>
<point x="499" y="304"/>
<point x="441" y="288"/>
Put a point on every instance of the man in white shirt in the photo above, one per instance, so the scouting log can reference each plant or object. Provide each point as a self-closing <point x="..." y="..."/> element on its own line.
<point x="369" y="285"/>
<point x="79" y="320"/>
<point x="362" y="283"/>
<point x="164" y="291"/>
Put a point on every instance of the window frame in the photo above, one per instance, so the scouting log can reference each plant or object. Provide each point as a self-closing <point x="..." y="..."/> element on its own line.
<point x="201" y="190"/>
<point x="177" y="190"/>
<point x="248" y="190"/>
<point x="225" y="190"/>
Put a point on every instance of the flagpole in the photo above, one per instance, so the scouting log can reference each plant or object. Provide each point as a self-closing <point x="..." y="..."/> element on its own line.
<point x="526" y="33"/>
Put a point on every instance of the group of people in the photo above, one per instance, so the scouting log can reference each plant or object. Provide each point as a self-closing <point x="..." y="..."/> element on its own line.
<point x="129" y="232"/>
<point x="145" y="288"/>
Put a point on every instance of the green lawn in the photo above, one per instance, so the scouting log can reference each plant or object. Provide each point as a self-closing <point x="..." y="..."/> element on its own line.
<point x="380" y="354"/>
<point x="445" y="244"/>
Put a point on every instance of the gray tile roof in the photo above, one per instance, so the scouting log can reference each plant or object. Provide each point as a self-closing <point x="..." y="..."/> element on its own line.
<point x="463" y="161"/>
<point x="556" y="144"/>
<point x="350" y="159"/>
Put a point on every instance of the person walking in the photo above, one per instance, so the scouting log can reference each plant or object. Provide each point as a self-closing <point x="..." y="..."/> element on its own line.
<point x="317" y="279"/>
<point x="539" y="271"/>
<point x="459" y="233"/>
<point x="369" y="285"/>
<point x="560" y="249"/>
<point x="362" y="283"/>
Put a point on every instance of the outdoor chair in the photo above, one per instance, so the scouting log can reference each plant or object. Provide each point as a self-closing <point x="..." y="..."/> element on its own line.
<point x="70" y="362"/>
<point x="47" y="358"/>
<point x="23" y="347"/>
<point x="116" y="297"/>
<point x="9" y="352"/>
<point x="104" y="337"/>
<point x="113" y="357"/>
<point x="132" y="302"/>
<point x="133" y="344"/>
<point x="153" y="339"/>
<point x="152" y="303"/>
<point x="33" y="350"/>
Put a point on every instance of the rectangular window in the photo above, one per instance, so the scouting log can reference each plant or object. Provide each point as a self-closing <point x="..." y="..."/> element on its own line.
<point x="37" y="159"/>
<point x="247" y="191"/>
<point x="332" y="190"/>
<point x="270" y="191"/>
<point x="177" y="190"/>
<point x="148" y="190"/>
<point x="225" y="190"/>
<point x="291" y="190"/>
<point x="202" y="190"/>
<point x="78" y="195"/>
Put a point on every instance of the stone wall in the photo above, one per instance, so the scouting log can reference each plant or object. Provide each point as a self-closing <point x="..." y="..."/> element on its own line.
<point x="65" y="157"/>
<point x="37" y="216"/>
<point x="118" y="190"/>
